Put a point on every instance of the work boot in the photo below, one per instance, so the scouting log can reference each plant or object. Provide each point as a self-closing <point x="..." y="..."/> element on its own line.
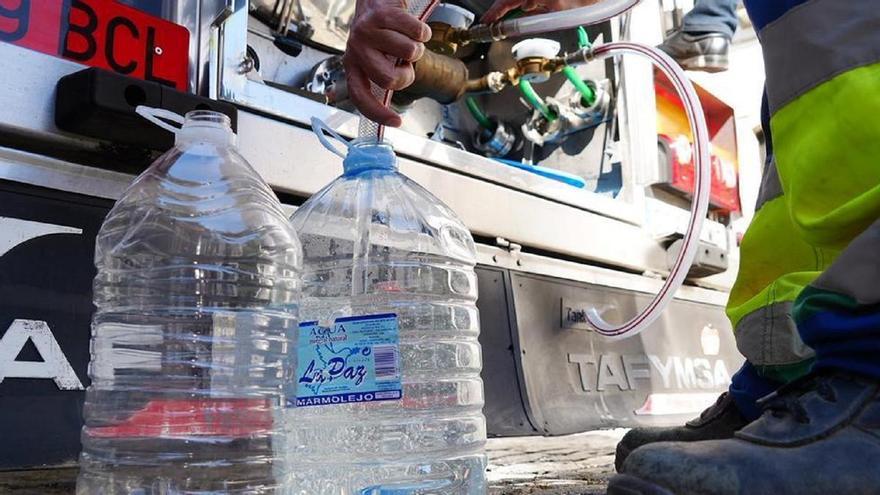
<point x="706" y="52"/>
<point x="720" y="420"/>
<point x="818" y="436"/>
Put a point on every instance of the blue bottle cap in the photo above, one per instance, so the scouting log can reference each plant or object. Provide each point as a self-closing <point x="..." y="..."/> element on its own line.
<point x="364" y="156"/>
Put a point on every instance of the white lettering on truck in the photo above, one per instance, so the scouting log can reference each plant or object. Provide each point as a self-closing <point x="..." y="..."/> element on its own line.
<point x="17" y="231"/>
<point x="54" y="364"/>
<point x="624" y="372"/>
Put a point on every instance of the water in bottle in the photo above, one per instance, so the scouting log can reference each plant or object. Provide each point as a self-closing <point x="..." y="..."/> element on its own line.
<point x="196" y="293"/>
<point x="387" y="397"/>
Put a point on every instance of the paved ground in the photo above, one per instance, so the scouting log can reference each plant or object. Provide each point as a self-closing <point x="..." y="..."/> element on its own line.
<point x="39" y="482"/>
<point x="572" y="465"/>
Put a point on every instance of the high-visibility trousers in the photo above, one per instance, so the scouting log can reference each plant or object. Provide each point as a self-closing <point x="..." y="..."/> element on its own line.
<point x="808" y="288"/>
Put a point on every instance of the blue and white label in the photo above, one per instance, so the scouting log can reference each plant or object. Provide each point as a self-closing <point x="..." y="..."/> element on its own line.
<point x="355" y="360"/>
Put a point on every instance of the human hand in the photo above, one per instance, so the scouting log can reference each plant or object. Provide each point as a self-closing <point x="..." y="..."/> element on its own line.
<point x="383" y="42"/>
<point x="501" y="7"/>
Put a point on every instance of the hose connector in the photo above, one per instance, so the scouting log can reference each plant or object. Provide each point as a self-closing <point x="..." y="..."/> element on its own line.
<point x="445" y="39"/>
<point x="492" y="82"/>
<point x="582" y="56"/>
<point x="485" y="33"/>
<point x="498" y="141"/>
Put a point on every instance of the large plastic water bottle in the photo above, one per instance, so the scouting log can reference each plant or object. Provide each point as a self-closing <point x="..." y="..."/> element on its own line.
<point x="196" y="294"/>
<point x="388" y="395"/>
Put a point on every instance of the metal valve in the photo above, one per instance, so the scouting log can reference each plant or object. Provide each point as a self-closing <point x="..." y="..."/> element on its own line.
<point x="534" y="58"/>
<point x="572" y="115"/>
<point x="497" y="143"/>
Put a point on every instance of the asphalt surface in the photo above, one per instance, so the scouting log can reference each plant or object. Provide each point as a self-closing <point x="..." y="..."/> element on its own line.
<point x="571" y="465"/>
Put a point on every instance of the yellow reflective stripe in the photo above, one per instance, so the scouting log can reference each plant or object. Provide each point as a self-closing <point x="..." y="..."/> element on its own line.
<point x="775" y="263"/>
<point x="827" y="150"/>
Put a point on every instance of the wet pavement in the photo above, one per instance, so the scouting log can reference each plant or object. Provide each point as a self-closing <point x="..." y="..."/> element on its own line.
<point x="570" y="465"/>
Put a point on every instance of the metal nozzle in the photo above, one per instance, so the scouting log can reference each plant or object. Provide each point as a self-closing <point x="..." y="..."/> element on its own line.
<point x="497" y="142"/>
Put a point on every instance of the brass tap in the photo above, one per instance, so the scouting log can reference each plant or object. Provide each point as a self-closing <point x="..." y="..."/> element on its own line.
<point x="537" y="69"/>
<point x="445" y="39"/>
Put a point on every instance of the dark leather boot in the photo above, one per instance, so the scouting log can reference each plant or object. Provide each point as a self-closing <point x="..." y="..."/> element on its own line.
<point x="721" y="420"/>
<point x="816" y="437"/>
<point x="705" y="52"/>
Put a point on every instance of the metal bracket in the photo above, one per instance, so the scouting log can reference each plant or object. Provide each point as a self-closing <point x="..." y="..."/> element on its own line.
<point x="231" y="7"/>
<point x="513" y="248"/>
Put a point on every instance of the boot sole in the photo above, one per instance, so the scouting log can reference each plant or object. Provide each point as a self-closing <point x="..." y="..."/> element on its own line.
<point x="625" y="484"/>
<point x="706" y="63"/>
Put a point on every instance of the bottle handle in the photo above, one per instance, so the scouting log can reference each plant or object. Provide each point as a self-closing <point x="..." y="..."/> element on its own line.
<point x="322" y="130"/>
<point x="156" y="116"/>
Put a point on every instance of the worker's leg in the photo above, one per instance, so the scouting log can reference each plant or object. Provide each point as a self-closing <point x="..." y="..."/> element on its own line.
<point x="816" y="436"/>
<point x="839" y="313"/>
<point x="821" y="434"/>
<point x="776" y="264"/>
<point x="831" y="171"/>
<point x="703" y="41"/>
<point x="711" y="16"/>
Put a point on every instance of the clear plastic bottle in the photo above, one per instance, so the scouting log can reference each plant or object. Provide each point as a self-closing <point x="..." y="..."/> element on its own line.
<point x="376" y="243"/>
<point x="196" y="293"/>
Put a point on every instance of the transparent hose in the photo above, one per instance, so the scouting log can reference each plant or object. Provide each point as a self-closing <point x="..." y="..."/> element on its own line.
<point x="568" y="19"/>
<point x="553" y="21"/>
<point x="699" y="206"/>
<point x="367" y="129"/>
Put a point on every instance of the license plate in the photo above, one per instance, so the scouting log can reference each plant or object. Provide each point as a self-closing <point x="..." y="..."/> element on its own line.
<point x="100" y="33"/>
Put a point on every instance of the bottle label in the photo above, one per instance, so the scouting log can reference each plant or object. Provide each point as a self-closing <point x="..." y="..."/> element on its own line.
<point x="357" y="359"/>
